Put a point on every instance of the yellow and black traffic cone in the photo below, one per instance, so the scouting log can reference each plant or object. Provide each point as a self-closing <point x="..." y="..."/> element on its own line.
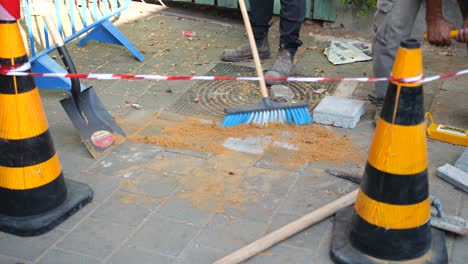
<point x="34" y="195"/>
<point x="390" y="219"/>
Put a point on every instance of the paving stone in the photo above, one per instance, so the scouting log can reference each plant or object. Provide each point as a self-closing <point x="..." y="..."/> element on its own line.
<point x="73" y="165"/>
<point x="126" y="157"/>
<point x="282" y="254"/>
<point x="95" y="238"/>
<point x="183" y="211"/>
<point x="125" y="87"/>
<point x="201" y="254"/>
<point x="133" y="120"/>
<point x="132" y="254"/>
<point x="73" y="220"/>
<point x="462" y="161"/>
<point x="308" y="239"/>
<point x="153" y="130"/>
<point x="151" y="183"/>
<point x="102" y="184"/>
<point x="305" y="197"/>
<point x="338" y="111"/>
<point x="270" y="181"/>
<point x="440" y="153"/>
<point x="447" y="195"/>
<point x="170" y="162"/>
<point x="460" y="254"/>
<point x="230" y="233"/>
<point x="260" y="207"/>
<point x="126" y="208"/>
<point x="157" y="101"/>
<point x="323" y="252"/>
<point x="28" y="248"/>
<point x="232" y="161"/>
<point x="275" y="158"/>
<point x="281" y="92"/>
<point x="10" y="260"/>
<point x="57" y="256"/>
<point x="253" y="145"/>
<point x="191" y="153"/>
<point x="164" y="236"/>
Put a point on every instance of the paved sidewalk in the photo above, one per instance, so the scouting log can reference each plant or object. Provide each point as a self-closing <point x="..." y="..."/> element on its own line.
<point x="188" y="199"/>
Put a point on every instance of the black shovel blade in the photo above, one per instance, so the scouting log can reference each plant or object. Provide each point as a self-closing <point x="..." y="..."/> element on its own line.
<point x="95" y="125"/>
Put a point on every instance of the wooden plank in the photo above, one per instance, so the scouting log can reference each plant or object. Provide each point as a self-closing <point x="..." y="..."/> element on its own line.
<point x="324" y="10"/>
<point x="228" y="3"/>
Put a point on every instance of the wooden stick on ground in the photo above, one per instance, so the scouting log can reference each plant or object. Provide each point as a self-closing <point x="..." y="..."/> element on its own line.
<point x="288" y="230"/>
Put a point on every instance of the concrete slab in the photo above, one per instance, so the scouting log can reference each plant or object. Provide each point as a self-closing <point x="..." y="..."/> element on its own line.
<point x="338" y="111"/>
<point x="95" y="238"/>
<point x="201" y="254"/>
<point x="164" y="236"/>
<point x="57" y="256"/>
<point x="230" y="233"/>
<point x="28" y="248"/>
<point x="454" y="176"/>
<point x="132" y="254"/>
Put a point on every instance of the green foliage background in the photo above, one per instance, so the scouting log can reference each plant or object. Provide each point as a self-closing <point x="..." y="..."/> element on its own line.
<point x="364" y="6"/>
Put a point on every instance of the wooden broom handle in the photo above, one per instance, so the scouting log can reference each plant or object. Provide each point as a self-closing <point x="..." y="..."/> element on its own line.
<point x="253" y="47"/>
<point x="288" y="230"/>
<point x="43" y="9"/>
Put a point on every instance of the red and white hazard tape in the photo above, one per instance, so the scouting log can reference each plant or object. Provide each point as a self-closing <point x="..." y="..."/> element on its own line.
<point x="19" y="71"/>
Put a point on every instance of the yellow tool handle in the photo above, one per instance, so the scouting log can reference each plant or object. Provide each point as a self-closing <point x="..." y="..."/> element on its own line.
<point x="453" y="33"/>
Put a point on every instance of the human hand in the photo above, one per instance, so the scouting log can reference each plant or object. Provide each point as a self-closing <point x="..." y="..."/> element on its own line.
<point x="463" y="35"/>
<point x="438" y="32"/>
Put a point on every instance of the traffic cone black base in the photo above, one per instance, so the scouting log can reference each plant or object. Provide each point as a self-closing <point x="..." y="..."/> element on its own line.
<point x="78" y="195"/>
<point x="343" y="252"/>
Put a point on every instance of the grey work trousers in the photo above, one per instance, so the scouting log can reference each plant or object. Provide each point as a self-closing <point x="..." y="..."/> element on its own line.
<point x="393" y="22"/>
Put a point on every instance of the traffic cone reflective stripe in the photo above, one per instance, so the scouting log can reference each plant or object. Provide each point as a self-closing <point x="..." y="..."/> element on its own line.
<point x="390" y="220"/>
<point x="34" y="195"/>
<point x="9" y="9"/>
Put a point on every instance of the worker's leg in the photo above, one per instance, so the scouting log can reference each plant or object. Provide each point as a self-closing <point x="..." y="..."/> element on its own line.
<point x="291" y="18"/>
<point x="393" y="22"/>
<point x="261" y="12"/>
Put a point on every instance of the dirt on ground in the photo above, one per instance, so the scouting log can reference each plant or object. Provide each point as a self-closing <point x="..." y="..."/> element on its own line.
<point x="307" y="143"/>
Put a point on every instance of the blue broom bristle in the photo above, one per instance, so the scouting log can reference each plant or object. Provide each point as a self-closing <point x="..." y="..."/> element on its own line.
<point x="296" y="115"/>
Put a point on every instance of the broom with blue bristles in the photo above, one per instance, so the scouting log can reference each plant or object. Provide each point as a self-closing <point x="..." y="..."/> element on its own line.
<point x="266" y="111"/>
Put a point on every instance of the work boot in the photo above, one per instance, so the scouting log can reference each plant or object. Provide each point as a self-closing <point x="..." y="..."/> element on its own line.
<point x="374" y="99"/>
<point x="282" y="67"/>
<point x="244" y="52"/>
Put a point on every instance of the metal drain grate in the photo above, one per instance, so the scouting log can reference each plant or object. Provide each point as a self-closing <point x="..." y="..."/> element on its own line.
<point x="209" y="98"/>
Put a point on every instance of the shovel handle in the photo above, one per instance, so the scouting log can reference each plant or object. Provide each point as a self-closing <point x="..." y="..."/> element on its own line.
<point x="453" y="34"/>
<point x="62" y="50"/>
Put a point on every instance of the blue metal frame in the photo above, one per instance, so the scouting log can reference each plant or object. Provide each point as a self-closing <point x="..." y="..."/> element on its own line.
<point x="101" y="30"/>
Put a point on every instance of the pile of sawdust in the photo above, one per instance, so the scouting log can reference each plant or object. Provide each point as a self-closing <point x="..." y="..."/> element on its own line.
<point x="213" y="191"/>
<point x="313" y="142"/>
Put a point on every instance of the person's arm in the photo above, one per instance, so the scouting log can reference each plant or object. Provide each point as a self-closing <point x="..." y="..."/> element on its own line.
<point x="438" y="28"/>
<point x="463" y="35"/>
